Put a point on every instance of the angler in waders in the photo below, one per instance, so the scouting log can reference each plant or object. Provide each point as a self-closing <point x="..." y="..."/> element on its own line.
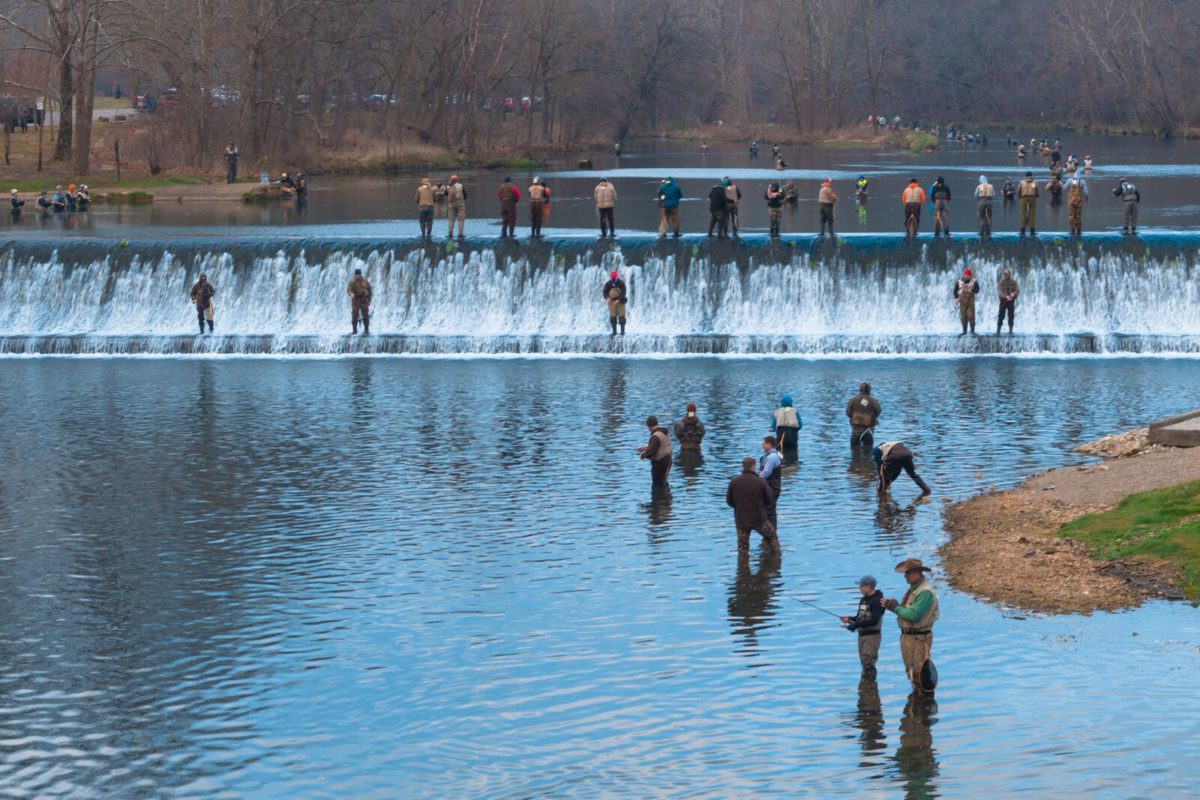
<point x="787" y="424"/>
<point x="916" y="612"/>
<point x="616" y="296"/>
<point x="753" y="504"/>
<point x="867" y="622"/>
<point x="202" y="295"/>
<point x="863" y="410"/>
<point x="1077" y="195"/>
<point x="1130" y="199"/>
<point x="965" y="290"/>
<point x="508" y="195"/>
<point x="770" y="469"/>
<point x="425" y="198"/>
<point x="539" y="196"/>
<point x="891" y="458"/>
<point x="359" y="290"/>
<point x="658" y="452"/>
<point x="1008" y="290"/>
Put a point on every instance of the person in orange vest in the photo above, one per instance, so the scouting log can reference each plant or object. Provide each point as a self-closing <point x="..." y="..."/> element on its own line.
<point x="913" y="197"/>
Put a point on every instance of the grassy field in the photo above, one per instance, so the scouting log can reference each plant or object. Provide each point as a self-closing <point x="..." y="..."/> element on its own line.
<point x="1159" y="527"/>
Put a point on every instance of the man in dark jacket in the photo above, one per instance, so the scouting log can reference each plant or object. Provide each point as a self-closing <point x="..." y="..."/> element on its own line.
<point x="774" y="197"/>
<point x="868" y="623"/>
<point x="231" y="163"/>
<point x="616" y="297"/>
<point x="359" y="290"/>
<point x="689" y="430"/>
<point x="863" y="410"/>
<point x="753" y="505"/>
<point x="1008" y="291"/>
<point x="202" y="295"/>
<point x="658" y="452"/>
<point x="939" y="196"/>
<point x="718" y="204"/>
<point x="508" y="195"/>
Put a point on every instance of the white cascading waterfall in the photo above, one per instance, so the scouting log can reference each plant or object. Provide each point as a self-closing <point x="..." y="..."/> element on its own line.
<point x="482" y="301"/>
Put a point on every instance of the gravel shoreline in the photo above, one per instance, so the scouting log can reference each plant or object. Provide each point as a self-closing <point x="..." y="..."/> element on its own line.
<point x="1004" y="546"/>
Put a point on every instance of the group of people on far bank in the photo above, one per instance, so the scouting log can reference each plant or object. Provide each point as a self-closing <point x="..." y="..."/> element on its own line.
<point x="754" y="496"/>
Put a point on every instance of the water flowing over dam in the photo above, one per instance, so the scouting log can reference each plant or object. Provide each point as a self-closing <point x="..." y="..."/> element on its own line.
<point x="867" y="294"/>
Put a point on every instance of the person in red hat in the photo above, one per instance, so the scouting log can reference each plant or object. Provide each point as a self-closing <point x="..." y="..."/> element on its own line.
<point x="616" y="296"/>
<point x="964" y="294"/>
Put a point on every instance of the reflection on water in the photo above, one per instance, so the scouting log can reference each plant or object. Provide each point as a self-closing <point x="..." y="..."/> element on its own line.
<point x="420" y="579"/>
<point x="916" y="759"/>
<point x="752" y="596"/>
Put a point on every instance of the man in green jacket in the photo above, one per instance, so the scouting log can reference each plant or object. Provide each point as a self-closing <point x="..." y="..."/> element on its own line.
<point x="915" y="613"/>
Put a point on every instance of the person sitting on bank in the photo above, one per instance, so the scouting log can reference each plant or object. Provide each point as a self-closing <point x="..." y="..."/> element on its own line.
<point x="891" y="458"/>
<point x="753" y="506"/>
<point x="787" y="423"/>
<point x="863" y="411"/>
<point x="689" y="430"/>
<point x="867" y="622"/>
<point x="658" y="452"/>
<point x="915" y="612"/>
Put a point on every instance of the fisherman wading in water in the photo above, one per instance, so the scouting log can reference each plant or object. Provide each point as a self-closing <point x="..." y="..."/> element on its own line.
<point x="915" y="612"/>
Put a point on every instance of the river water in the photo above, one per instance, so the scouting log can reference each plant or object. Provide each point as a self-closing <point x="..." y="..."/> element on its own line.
<point x="284" y="562"/>
<point x="439" y="578"/>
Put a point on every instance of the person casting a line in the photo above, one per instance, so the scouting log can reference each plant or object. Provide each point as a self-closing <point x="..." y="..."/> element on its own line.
<point x="867" y="622"/>
<point x="658" y="452"/>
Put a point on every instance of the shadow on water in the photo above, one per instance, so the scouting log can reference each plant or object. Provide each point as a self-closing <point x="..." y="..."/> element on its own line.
<point x="689" y="464"/>
<point x="895" y="521"/>
<point x="658" y="514"/>
<point x="752" y="597"/>
<point x="915" y="759"/>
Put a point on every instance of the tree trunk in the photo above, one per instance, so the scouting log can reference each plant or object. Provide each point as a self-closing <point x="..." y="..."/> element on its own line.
<point x="66" y="110"/>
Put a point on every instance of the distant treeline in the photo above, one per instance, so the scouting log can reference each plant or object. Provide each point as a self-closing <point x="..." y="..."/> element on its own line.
<point x="475" y="76"/>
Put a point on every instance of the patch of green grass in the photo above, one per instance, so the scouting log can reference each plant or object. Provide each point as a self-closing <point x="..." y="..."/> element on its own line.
<point x="920" y="142"/>
<point x="515" y="162"/>
<point x="1160" y="526"/>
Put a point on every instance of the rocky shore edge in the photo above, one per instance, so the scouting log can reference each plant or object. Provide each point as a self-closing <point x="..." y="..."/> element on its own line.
<point x="1005" y="546"/>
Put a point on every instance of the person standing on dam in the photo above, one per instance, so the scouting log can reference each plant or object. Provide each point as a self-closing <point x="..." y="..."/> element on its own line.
<point x="939" y="196"/>
<point x="826" y="200"/>
<point x="616" y="296"/>
<point x="508" y="195"/>
<point x="669" y="195"/>
<point x="1027" y="195"/>
<point x="965" y="290"/>
<point x="718" y="205"/>
<point x="913" y="198"/>
<point x="1130" y="198"/>
<point x="1077" y="195"/>
<point x="605" y="195"/>
<point x="202" y="295"/>
<point x="774" y="197"/>
<point x="359" y="290"/>
<point x="984" y="194"/>
<point x="863" y="411"/>
<point x="456" y="206"/>
<point x="425" y="202"/>
<point x="539" y="196"/>
<point x="1008" y="291"/>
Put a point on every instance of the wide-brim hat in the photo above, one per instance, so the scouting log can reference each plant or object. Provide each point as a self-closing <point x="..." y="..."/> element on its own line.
<point x="910" y="564"/>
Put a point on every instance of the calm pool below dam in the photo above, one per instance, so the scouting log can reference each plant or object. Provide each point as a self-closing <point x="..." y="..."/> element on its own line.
<point x="420" y="578"/>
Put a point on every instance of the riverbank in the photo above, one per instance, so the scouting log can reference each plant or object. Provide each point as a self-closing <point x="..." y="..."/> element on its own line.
<point x="1010" y="547"/>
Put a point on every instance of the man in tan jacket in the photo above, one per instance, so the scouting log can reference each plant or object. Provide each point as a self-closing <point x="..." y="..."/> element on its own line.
<point x="606" y="199"/>
<point x="425" y="208"/>
<point x="826" y="199"/>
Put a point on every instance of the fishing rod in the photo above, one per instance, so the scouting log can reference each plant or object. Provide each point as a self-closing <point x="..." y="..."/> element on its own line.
<point x="814" y="605"/>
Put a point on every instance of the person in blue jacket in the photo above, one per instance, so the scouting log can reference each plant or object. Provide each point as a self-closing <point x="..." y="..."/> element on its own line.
<point x="669" y="195"/>
<point x="787" y="424"/>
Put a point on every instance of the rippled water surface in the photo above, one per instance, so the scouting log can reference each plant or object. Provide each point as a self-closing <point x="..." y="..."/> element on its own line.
<point x="408" y="578"/>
